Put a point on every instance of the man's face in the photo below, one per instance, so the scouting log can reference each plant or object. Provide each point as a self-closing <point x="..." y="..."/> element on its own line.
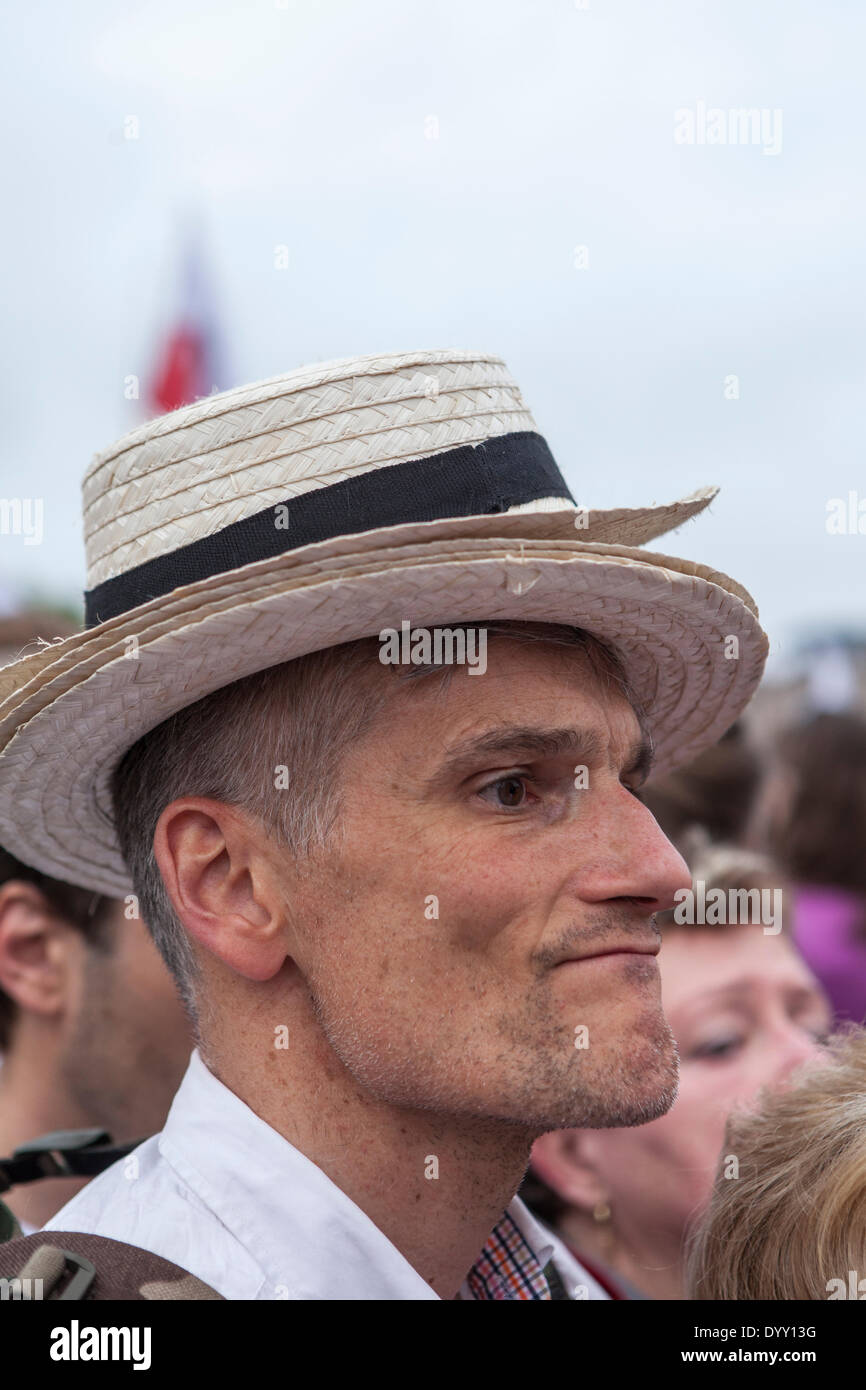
<point x="128" y="1039"/>
<point x="452" y="933"/>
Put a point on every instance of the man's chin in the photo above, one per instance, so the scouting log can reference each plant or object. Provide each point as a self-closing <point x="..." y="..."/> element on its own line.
<point x="620" y="1088"/>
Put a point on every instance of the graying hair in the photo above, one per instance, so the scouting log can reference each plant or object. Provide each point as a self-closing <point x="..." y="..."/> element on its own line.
<point x="302" y="715"/>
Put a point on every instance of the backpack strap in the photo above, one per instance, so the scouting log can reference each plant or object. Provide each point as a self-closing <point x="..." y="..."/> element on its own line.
<point x="65" y="1153"/>
<point x="71" y="1266"/>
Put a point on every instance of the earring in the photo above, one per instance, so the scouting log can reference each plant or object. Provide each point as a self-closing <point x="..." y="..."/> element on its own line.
<point x="601" y="1212"/>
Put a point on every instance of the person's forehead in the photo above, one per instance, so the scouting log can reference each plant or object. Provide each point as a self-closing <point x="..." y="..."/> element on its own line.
<point x="525" y="684"/>
<point x="702" y="967"/>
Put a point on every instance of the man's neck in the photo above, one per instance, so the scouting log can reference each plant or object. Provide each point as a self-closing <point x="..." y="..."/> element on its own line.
<point x="435" y="1185"/>
<point x="33" y="1101"/>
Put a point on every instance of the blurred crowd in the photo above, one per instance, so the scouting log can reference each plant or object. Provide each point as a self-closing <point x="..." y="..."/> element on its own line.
<point x="762" y="1158"/>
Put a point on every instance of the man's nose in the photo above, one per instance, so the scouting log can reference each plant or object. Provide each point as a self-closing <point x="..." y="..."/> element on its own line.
<point x="635" y="859"/>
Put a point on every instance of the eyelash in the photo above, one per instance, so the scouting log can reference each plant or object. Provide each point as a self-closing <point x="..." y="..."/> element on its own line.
<point x="525" y="778"/>
<point x="715" y="1050"/>
<point x="718" y="1051"/>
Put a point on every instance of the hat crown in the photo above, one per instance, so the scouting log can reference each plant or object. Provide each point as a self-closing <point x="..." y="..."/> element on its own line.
<point x="188" y="475"/>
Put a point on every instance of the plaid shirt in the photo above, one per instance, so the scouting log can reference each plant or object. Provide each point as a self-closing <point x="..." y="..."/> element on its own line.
<point x="508" y="1268"/>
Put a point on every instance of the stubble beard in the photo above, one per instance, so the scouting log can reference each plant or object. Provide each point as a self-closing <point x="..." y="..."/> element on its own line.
<point x="536" y="1078"/>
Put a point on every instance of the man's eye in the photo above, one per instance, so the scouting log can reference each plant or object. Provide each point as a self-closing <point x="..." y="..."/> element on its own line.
<point x="507" y="791"/>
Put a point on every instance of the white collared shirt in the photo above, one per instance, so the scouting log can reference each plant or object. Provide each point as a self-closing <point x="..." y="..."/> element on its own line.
<point x="223" y="1195"/>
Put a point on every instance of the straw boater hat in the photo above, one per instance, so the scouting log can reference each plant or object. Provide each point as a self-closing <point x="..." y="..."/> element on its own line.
<point x="324" y="505"/>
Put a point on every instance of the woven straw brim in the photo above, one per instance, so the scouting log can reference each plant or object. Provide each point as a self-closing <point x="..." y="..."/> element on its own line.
<point x="69" y="712"/>
<point x="628" y="527"/>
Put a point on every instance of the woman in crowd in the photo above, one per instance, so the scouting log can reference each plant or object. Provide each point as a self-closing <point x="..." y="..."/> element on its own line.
<point x="790" y="1220"/>
<point x="745" y="1011"/>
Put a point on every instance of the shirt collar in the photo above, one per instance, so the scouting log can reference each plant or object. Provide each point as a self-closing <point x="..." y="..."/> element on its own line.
<point x="311" y="1240"/>
<point x="509" y="1266"/>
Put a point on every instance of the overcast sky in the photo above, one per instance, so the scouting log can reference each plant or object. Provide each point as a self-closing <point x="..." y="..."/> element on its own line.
<point x="432" y="169"/>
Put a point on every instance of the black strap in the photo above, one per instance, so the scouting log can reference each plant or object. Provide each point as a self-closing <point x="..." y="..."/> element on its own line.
<point x="65" y="1153"/>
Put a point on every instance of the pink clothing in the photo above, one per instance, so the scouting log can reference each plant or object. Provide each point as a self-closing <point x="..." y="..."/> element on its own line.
<point x="826" y="922"/>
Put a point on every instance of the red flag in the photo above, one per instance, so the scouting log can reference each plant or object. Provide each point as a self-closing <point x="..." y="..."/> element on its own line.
<point x="189" y="366"/>
<point x="179" y="379"/>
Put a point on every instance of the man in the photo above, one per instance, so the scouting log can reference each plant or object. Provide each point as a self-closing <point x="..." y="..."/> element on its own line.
<point x="411" y="917"/>
<point x="92" y="1032"/>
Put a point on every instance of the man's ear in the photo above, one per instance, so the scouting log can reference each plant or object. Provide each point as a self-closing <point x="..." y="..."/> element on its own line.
<point x="39" y="951"/>
<point x="560" y="1160"/>
<point x="217" y="867"/>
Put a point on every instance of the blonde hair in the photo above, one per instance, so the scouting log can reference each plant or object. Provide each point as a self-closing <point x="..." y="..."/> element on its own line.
<point x="794" y="1219"/>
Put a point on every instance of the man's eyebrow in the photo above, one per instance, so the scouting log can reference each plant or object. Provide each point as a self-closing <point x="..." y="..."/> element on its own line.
<point x="530" y="740"/>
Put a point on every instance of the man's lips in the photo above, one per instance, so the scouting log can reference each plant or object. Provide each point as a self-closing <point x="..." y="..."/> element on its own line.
<point x="627" y="948"/>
